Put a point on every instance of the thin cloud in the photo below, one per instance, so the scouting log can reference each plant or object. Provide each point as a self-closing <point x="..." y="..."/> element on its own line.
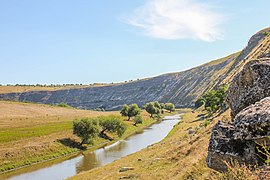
<point x="178" y="19"/>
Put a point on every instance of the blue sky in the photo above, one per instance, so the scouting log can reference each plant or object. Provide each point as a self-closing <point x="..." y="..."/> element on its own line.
<point x="68" y="41"/>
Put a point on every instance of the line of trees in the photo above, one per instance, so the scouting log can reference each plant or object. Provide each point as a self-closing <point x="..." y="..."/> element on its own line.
<point x="89" y="128"/>
<point x="153" y="108"/>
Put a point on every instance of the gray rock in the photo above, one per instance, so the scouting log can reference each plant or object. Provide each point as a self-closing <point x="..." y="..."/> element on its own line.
<point x="249" y="86"/>
<point x="253" y="123"/>
<point x="123" y="169"/>
<point x="191" y="131"/>
<point x="223" y="148"/>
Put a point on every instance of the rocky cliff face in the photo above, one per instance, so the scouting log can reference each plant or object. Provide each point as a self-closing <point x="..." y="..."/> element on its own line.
<point x="181" y="88"/>
<point x="250" y="85"/>
<point x="243" y="139"/>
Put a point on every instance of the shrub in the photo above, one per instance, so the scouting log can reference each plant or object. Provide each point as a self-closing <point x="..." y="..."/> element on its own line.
<point x="170" y="107"/>
<point x="199" y="102"/>
<point x="62" y="104"/>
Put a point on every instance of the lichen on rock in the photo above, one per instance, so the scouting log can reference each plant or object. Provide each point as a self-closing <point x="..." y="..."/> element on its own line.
<point x="250" y="85"/>
<point x="242" y="139"/>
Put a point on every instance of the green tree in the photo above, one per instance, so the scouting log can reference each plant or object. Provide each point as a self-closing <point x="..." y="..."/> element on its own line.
<point x="124" y="110"/>
<point x="157" y="105"/>
<point x="133" y="110"/>
<point x="214" y="99"/>
<point x="86" y="129"/>
<point x="112" y="124"/>
<point x="170" y="107"/>
<point x="138" y="120"/>
<point x="152" y="109"/>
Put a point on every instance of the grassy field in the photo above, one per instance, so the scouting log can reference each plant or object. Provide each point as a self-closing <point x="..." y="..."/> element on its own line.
<point x="180" y="155"/>
<point x="31" y="133"/>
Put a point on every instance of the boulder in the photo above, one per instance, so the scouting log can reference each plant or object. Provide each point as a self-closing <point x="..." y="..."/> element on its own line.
<point x="224" y="148"/>
<point x="250" y="85"/>
<point x="123" y="169"/>
<point x="253" y="123"/>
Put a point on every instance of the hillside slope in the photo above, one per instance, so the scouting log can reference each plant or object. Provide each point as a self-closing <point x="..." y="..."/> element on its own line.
<point x="181" y="88"/>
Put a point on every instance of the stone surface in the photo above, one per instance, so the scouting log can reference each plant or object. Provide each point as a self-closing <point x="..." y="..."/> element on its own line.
<point x="123" y="169"/>
<point x="222" y="147"/>
<point x="253" y="123"/>
<point x="251" y="85"/>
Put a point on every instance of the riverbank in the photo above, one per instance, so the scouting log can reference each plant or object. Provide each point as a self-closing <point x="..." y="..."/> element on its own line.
<point x="56" y="147"/>
<point x="181" y="155"/>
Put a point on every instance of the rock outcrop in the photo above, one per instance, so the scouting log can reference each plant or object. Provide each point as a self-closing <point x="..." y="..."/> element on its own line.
<point x="253" y="123"/>
<point x="223" y="147"/>
<point x="250" y="85"/>
<point x="242" y="140"/>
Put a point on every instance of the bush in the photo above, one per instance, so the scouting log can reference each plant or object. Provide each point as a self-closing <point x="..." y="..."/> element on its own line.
<point x="199" y="102"/>
<point x="170" y="107"/>
<point x="62" y="104"/>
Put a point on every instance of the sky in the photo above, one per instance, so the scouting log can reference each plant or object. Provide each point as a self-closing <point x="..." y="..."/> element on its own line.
<point x="87" y="41"/>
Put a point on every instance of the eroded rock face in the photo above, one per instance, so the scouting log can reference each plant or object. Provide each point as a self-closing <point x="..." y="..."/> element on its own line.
<point x="244" y="138"/>
<point x="223" y="147"/>
<point x="251" y="85"/>
<point x="253" y="123"/>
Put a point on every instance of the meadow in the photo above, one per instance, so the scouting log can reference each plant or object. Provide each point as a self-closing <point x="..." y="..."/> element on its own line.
<point x="32" y="133"/>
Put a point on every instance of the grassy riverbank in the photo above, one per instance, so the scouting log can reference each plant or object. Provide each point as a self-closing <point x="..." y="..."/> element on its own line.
<point x="181" y="155"/>
<point x="23" y="144"/>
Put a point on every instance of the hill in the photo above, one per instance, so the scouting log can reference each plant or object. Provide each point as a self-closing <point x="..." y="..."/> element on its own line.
<point x="181" y="88"/>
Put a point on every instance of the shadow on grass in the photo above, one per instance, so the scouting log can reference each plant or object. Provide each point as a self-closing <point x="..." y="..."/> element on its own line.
<point x="105" y="136"/>
<point x="71" y="143"/>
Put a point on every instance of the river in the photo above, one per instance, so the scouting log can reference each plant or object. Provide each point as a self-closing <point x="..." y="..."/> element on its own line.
<point x="103" y="156"/>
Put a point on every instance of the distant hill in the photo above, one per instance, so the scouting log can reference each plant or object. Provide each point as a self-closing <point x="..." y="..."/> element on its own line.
<point x="181" y="88"/>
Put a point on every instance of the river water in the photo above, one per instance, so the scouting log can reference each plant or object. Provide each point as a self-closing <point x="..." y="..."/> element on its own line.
<point x="103" y="156"/>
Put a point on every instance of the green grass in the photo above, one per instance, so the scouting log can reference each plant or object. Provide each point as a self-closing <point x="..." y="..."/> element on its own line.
<point x="14" y="134"/>
<point x="56" y="149"/>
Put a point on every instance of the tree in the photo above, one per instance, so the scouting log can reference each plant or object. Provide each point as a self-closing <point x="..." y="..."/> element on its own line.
<point x="157" y="105"/>
<point x="152" y="109"/>
<point x="130" y="111"/>
<point x="170" y="107"/>
<point x="138" y="120"/>
<point x="214" y="99"/>
<point x="112" y="124"/>
<point x="124" y="110"/>
<point x="86" y="129"/>
<point x="133" y="110"/>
